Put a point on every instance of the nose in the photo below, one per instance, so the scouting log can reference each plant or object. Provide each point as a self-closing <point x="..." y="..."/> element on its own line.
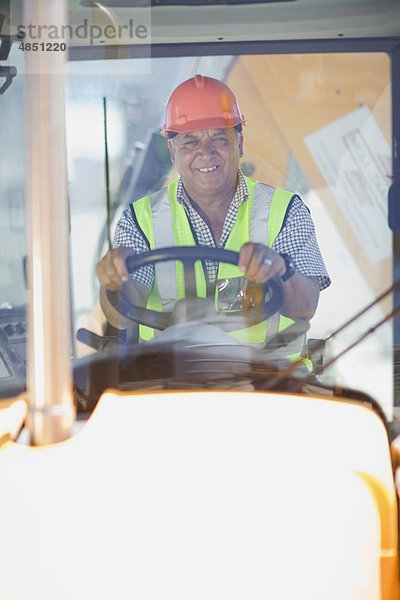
<point x="207" y="147"/>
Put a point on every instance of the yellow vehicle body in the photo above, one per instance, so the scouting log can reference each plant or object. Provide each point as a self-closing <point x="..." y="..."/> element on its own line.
<point x="204" y="494"/>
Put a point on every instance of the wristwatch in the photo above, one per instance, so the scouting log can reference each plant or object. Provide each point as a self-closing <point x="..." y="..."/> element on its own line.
<point x="290" y="268"/>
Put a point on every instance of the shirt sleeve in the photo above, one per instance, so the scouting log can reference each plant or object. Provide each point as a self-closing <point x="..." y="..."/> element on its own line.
<point x="128" y="234"/>
<point x="298" y="239"/>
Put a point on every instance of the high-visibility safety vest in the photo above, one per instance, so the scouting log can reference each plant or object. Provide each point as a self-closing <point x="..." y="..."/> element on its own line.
<point x="164" y="222"/>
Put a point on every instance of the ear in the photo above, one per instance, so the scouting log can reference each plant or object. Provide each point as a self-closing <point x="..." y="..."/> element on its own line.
<point x="240" y="145"/>
<point x="171" y="150"/>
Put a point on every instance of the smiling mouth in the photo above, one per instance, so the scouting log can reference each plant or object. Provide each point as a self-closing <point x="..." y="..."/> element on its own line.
<point x="208" y="169"/>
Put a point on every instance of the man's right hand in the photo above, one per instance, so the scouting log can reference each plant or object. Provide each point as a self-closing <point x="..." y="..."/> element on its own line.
<point x="113" y="275"/>
<point x="111" y="269"/>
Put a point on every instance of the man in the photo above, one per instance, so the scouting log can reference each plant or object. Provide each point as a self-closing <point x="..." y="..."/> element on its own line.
<point x="214" y="204"/>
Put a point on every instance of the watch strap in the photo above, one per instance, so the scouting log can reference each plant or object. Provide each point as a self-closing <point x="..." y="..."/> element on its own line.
<point x="290" y="268"/>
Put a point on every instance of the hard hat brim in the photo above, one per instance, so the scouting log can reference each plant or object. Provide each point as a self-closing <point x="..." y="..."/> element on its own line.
<point x="216" y="123"/>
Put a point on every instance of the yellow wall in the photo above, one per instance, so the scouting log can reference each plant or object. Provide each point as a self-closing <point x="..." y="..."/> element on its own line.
<point x="287" y="97"/>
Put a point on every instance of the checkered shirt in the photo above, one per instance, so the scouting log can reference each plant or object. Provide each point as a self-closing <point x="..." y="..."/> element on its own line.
<point x="296" y="238"/>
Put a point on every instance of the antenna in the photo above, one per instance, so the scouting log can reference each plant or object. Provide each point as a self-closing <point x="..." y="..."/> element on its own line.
<point x="319" y="346"/>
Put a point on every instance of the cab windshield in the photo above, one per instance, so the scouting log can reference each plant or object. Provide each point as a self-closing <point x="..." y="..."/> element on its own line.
<point x="318" y="124"/>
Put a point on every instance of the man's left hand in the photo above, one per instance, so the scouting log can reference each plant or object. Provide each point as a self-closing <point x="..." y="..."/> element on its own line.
<point x="259" y="263"/>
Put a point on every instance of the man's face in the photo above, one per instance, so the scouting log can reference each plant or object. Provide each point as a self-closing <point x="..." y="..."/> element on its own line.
<point x="207" y="160"/>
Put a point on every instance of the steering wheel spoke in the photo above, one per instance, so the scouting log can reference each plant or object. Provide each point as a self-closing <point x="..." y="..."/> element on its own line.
<point x="189" y="277"/>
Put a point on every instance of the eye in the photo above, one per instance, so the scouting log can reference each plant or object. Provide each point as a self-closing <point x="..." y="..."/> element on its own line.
<point x="221" y="139"/>
<point x="191" y="144"/>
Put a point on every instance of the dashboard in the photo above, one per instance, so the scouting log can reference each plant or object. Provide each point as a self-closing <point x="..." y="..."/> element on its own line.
<point x="12" y="351"/>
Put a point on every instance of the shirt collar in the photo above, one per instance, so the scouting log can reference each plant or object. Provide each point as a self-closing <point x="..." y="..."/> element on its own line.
<point x="241" y="194"/>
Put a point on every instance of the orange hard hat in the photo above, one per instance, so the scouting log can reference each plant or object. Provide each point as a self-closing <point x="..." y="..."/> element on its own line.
<point x="201" y="103"/>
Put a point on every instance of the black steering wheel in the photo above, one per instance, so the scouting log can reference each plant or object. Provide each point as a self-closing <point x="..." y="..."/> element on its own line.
<point x="188" y="256"/>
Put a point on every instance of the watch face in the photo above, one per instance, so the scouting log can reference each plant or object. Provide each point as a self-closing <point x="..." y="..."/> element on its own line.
<point x="290" y="270"/>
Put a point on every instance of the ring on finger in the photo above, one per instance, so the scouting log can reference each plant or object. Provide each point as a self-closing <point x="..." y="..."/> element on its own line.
<point x="267" y="262"/>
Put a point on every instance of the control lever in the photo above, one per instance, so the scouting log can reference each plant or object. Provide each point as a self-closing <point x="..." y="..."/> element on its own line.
<point x="98" y="342"/>
<point x="8" y="73"/>
<point x="291" y="333"/>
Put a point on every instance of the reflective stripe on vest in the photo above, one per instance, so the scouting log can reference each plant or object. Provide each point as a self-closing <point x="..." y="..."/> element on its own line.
<point x="164" y="222"/>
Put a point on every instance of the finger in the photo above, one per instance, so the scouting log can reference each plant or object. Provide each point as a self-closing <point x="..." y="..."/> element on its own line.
<point x="111" y="269"/>
<point x="107" y="278"/>
<point x="259" y="262"/>
<point x="272" y="265"/>
<point x="118" y="258"/>
<point x="246" y="252"/>
<point x="256" y="269"/>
